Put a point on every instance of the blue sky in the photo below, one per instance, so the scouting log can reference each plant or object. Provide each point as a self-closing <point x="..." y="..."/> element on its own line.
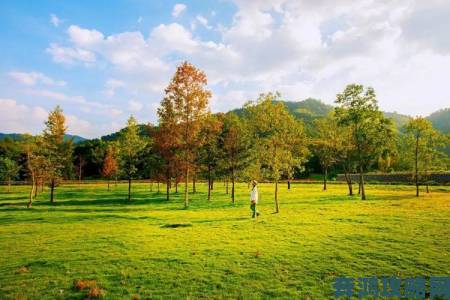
<point x="104" y="60"/>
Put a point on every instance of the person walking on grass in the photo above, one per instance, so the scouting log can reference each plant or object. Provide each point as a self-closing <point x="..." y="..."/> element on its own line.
<point x="254" y="199"/>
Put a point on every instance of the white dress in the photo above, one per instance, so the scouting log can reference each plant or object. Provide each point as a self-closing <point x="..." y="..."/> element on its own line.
<point x="254" y="195"/>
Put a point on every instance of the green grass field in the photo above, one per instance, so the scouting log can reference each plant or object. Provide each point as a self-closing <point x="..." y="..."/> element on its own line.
<point x="134" y="251"/>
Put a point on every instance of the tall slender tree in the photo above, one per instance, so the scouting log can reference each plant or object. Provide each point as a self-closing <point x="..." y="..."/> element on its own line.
<point x="424" y="141"/>
<point x="279" y="137"/>
<point x="210" y="150"/>
<point x="57" y="151"/>
<point x="370" y="132"/>
<point x="186" y="101"/>
<point x="130" y="145"/>
<point x="326" y="144"/>
<point x="235" y="144"/>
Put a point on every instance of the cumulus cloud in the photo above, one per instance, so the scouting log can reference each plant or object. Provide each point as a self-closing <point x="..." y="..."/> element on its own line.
<point x="33" y="78"/>
<point x="70" y="55"/>
<point x="178" y="9"/>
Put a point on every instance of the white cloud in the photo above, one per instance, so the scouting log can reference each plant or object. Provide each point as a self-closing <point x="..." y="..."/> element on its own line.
<point x="19" y="118"/>
<point x="135" y="106"/>
<point x="70" y="55"/>
<point x="33" y="78"/>
<point x="55" y="20"/>
<point x="84" y="37"/>
<point x="203" y="21"/>
<point x="178" y="9"/>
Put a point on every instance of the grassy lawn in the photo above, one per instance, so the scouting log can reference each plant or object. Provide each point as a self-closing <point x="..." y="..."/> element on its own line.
<point x="133" y="251"/>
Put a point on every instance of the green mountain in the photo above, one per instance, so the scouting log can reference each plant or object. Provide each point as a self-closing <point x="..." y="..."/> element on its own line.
<point x="21" y="136"/>
<point x="441" y="120"/>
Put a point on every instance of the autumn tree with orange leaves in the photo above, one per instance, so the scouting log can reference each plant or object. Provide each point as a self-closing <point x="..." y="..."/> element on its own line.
<point x="110" y="166"/>
<point x="185" y="105"/>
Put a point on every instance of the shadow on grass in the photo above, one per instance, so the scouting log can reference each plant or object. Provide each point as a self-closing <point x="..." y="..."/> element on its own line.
<point x="65" y="219"/>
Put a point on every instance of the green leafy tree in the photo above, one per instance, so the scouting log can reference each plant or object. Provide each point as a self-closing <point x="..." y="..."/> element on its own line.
<point x="130" y="146"/>
<point x="56" y="150"/>
<point x="209" y="152"/>
<point x="327" y="144"/>
<point x="358" y="112"/>
<point x="425" y="143"/>
<point x="279" y="138"/>
<point x="36" y="164"/>
<point x="235" y="143"/>
<point x="9" y="170"/>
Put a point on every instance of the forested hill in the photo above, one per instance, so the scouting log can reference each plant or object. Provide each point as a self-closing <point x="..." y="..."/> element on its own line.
<point x="21" y="136"/>
<point x="441" y="120"/>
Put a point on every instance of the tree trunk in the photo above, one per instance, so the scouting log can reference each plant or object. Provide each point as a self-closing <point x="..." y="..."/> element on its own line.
<point x="168" y="189"/>
<point x="349" y="183"/>
<point x="176" y="185"/>
<point x="289" y="184"/>
<point x="232" y="187"/>
<point x="158" y="187"/>
<point x="52" y="190"/>
<point x="36" y="183"/>
<point x="186" y="191"/>
<point x="209" y="182"/>
<point x="193" y="182"/>
<point x="428" y="189"/>
<point x="33" y="187"/>
<point x="108" y="184"/>
<point x="416" y="166"/>
<point x="9" y="185"/>
<point x="212" y="184"/>
<point x="277" y="206"/>
<point x="361" y="182"/>
<point x="226" y="188"/>
<point x="325" y="174"/>
<point x="151" y="186"/>
<point x="129" y="188"/>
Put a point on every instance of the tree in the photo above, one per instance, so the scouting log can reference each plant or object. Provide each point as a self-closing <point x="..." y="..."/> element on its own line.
<point x="36" y="164"/>
<point x="56" y="150"/>
<point x="279" y="137"/>
<point x="110" y="167"/>
<point x="130" y="145"/>
<point x="370" y="131"/>
<point x="326" y="144"/>
<point x="210" y="151"/>
<point x="185" y="103"/>
<point x="424" y="141"/>
<point x="235" y="145"/>
<point x="9" y="170"/>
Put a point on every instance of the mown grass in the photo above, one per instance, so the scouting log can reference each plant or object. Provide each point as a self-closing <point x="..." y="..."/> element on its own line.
<point x="151" y="248"/>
